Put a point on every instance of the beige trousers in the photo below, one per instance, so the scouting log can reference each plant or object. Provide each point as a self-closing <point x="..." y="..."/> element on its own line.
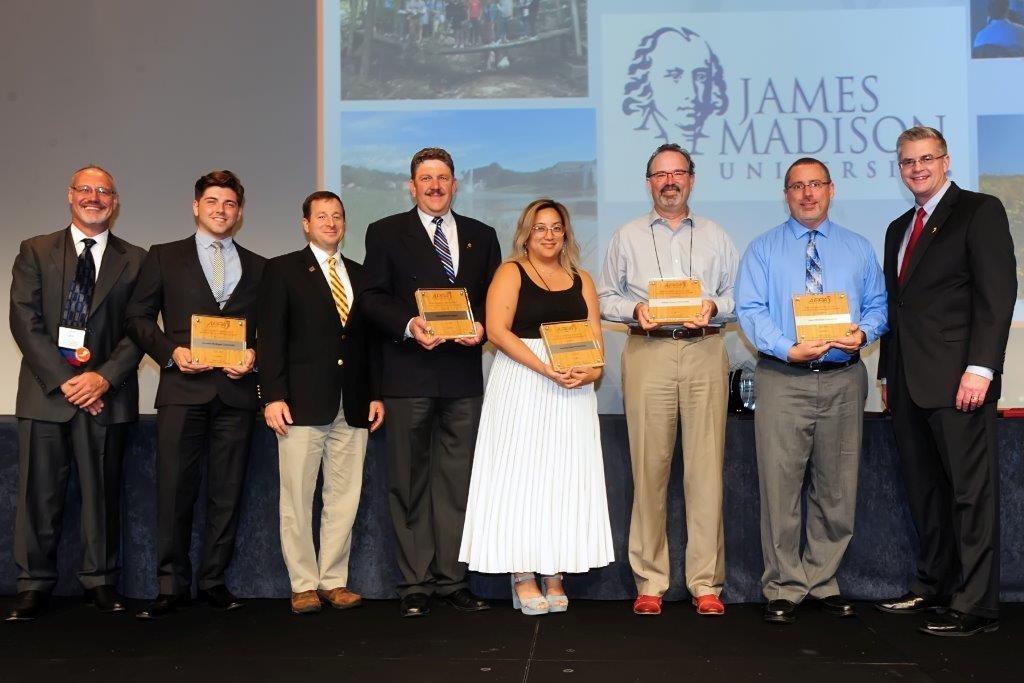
<point x="341" y="449"/>
<point x="664" y="380"/>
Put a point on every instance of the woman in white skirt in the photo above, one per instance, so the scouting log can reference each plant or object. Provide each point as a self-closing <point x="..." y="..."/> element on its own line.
<point x="537" y="500"/>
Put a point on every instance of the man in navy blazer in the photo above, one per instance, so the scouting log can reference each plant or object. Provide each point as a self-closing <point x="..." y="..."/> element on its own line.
<point x="432" y="389"/>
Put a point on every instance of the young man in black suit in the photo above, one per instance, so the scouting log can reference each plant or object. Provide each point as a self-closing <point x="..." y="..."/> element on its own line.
<point x="951" y="281"/>
<point x="432" y="389"/>
<point x="320" y="391"/>
<point x="77" y="391"/>
<point x="199" y="408"/>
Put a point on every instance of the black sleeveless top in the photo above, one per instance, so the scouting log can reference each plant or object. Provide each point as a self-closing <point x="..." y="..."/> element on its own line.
<point x="537" y="305"/>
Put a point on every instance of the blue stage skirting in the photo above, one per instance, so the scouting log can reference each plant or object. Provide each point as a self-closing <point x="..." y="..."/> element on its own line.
<point x="877" y="563"/>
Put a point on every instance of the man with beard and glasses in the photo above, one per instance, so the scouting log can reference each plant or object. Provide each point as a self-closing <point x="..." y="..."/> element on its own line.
<point x="673" y="371"/>
<point x="432" y="388"/>
<point x="77" y="391"/>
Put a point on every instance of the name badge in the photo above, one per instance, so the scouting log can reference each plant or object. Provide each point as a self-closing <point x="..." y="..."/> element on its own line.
<point x="70" y="337"/>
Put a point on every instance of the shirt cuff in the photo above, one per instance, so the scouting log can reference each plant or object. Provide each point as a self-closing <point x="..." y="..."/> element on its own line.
<point x="781" y="348"/>
<point x="981" y="371"/>
<point x="408" y="330"/>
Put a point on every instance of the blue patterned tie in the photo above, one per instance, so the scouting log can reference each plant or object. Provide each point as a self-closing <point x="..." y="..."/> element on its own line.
<point x="76" y="308"/>
<point x="812" y="275"/>
<point x="443" y="252"/>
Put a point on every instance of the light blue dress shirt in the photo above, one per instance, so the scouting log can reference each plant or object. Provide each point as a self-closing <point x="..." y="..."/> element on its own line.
<point x="232" y="264"/>
<point x="772" y="271"/>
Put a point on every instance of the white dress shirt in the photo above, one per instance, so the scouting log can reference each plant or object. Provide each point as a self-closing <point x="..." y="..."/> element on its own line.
<point x="339" y="268"/>
<point x="450" y="231"/>
<point x="97" y="249"/>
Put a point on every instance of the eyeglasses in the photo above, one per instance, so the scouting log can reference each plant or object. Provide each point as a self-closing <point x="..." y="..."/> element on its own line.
<point x="813" y="184"/>
<point x="926" y="160"/>
<point x="89" y="189"/>
<point x="557" y="230"/>
<point x="662" y="176"/>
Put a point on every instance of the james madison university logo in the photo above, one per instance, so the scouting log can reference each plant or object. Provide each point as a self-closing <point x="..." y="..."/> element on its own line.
<point x="675" y="82"/>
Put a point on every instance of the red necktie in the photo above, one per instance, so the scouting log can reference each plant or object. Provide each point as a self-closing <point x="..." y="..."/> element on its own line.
<point x="914" y="236"/>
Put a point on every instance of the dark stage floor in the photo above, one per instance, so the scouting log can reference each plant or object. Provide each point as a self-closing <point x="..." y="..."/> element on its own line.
<point x="593" y="642"/>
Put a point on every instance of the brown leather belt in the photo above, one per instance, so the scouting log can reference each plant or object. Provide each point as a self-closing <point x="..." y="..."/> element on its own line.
<point x="675" y="332"/>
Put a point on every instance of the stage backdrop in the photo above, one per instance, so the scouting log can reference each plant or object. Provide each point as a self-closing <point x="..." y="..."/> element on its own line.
<point x="562" y="98"/>
<point x="569" y="99"/>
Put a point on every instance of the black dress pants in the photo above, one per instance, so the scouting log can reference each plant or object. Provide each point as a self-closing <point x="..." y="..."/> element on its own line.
<point x="184" y="434"/>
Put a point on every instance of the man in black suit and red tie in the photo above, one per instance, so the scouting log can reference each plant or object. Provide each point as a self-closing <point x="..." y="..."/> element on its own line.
<point x="320" y="384"/>
<point x="432" y="389"/>
<point x="77" y="391"/>
<point x="951" y="281"/>
<point x="199" y="408"/>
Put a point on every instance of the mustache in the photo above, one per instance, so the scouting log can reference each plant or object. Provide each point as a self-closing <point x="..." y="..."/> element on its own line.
<point x="671" y="187"/>
<point x="435" y="193"/>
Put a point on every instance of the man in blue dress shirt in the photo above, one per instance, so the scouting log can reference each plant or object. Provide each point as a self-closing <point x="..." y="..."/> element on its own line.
<point x="810" y="394"/>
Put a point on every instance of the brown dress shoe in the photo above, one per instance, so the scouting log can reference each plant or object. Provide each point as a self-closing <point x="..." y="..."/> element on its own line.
<point x="341" y="598"/>
<point x="305" y="602"/>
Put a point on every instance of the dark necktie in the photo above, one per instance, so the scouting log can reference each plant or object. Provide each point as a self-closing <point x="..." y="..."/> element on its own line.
<point x="915" y="235"/>
<point x="76" y="308"/>
<point x="813" y="282"/>
<point x="443" y="252"/>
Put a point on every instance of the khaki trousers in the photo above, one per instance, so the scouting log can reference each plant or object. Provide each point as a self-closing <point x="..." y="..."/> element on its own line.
<point x="341" y="449"/>
<point x="664" y="380"/>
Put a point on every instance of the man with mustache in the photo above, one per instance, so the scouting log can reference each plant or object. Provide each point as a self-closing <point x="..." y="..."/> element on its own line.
<point x="810" y="393"/>
<point x="432" y="388"/>
<point x="952" y="282"/>
<point x="77" y="391"/>
<point x="673" y="371"/>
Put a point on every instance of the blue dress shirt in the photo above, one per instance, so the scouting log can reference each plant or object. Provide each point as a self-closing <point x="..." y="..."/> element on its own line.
<point x="772" y="271"/>
<point x="232" y="264"/>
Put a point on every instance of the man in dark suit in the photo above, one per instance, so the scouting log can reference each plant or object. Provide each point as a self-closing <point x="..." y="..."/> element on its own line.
<point x="951" y="280"/>
<point x="432" y="389"/>
<point x="199" y="408"/>
<point x="77" y="391"/>
<point x="316" y="382"/>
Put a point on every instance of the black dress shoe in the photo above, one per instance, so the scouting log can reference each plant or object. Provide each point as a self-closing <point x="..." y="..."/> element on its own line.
<point x="957" y="624"/>
<point x="219" y="597"/>
<point x="162" y="606"/>
<point x="415" y="605"/>
<point x="780" y="612"/>
<point x="104" y="598"/>
<point x="28" y="605"/>
<point x="464" y="601"/>
<point x="912" y="603"/>
<point x="837" y="606"/>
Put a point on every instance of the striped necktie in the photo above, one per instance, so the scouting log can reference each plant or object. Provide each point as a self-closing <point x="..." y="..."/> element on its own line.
<point x="218" y="272"/>
<point x="812" y="264"/>
<point x="443" y="252"/>
<point x="76" y="307"/>
<point x="337" y="291"/>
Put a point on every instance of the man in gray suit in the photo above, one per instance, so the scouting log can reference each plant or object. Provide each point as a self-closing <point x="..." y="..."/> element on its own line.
<point x="77" y="391"/>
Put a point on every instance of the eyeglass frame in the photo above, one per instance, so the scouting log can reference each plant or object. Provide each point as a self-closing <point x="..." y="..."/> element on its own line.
<point x="90" y="189"/>
<point x="924" y="160"/>
<point x="815" y="185"/>
<point x="539" y="229"/>
<point x="676" y="174"/>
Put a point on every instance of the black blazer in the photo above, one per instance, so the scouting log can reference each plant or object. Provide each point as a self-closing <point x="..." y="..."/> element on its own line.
<point x="306" y="356"/>
<point x="172" y="284"/>
<point x="956" y="304"/>
<point x="400" y="259"/>
<point x="43" y="272"/>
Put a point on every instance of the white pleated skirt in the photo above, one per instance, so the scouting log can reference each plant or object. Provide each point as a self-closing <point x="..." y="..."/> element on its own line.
<point x="537" y="499"/>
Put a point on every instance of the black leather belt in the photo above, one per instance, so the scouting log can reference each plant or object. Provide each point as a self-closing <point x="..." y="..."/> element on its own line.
<point x="814" y="366"/>
<point x="675" y="332"/>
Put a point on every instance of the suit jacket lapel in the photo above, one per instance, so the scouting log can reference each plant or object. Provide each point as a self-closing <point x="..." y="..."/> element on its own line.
<point x="65" y="261"/>
<point x="111" y="267"/>
<point x="318" y="283"/>
<point x="467" y="255"/>
<point x="931" y="227"/>
<point x="419" y="243"/>
<point x="195" y="272"/>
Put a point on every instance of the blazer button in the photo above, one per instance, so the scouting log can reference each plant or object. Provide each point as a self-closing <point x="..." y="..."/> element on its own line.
<point x="343" y="336"/>
<point x="341" y="362"/>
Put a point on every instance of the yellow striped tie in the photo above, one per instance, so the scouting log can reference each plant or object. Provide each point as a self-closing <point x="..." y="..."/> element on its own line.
<point x="337" y="291"/>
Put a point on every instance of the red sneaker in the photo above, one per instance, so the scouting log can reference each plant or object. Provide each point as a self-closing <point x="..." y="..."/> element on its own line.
<point x="709" y="605"/>
<point x="647" y="605"/>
